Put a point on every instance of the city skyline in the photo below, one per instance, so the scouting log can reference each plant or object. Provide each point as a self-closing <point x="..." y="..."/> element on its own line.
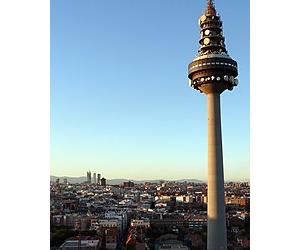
<point x="138" y="123"/>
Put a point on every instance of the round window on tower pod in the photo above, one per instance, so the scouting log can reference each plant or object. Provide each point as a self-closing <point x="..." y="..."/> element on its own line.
<point x="206" y="41"/>
<point x="201" y="20"/>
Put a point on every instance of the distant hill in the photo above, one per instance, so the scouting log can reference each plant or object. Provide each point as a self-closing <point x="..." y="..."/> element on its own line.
<point x="82" y="179"/>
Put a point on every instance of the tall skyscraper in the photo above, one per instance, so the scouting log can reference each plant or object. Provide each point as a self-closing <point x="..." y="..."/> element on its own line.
<point x="98" y="178"/>
<point x="94" y="178"/>
<point x="103" y="182"/>
<point x="89" y="177"/>
<point x="212" y="72"/>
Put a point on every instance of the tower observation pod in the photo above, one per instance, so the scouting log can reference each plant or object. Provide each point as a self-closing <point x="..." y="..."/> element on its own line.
<point x="212" y="72"/>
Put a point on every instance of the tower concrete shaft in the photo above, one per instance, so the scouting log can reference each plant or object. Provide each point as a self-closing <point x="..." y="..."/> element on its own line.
<point x="217" y="235"/>
<point x="212" y="72"/>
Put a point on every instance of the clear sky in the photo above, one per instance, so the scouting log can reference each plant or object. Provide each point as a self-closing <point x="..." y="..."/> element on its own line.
<point x="120" y="101"/>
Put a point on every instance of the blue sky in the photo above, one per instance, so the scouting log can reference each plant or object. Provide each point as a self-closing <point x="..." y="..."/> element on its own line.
<point x="120" y="100"/>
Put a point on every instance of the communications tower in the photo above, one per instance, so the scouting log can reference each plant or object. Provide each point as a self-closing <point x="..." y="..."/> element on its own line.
<point x="212" y="72"/>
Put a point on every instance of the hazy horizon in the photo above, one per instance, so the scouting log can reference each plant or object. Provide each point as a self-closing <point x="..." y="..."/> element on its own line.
<point x="145" y="179"/>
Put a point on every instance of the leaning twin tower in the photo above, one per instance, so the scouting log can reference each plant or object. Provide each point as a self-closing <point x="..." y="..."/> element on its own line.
<point x="212" y="72"/>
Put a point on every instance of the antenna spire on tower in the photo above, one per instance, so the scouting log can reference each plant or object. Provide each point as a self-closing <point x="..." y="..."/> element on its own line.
<point x="210" y="10"/>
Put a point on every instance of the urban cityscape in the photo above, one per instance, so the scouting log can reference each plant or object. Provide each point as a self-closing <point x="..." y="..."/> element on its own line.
<point x="100" y="212"/>
<point x="157" y="215"/>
